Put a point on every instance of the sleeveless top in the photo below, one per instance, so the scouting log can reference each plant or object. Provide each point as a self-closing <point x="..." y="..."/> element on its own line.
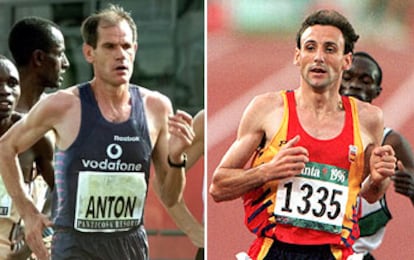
<point x="102" y="178"/>
<point x="9" y="218"/>
<point x="374" y="218"/>
<point x="318" y="206"/>
<point x="10" y="221"/>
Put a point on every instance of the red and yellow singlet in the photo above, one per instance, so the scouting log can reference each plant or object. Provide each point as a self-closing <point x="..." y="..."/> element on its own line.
<point x="317" y="206"/>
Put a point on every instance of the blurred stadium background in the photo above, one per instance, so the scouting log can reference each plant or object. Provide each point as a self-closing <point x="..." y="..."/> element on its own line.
<point x="170" y="59"/>
<point x="250" y="47"/>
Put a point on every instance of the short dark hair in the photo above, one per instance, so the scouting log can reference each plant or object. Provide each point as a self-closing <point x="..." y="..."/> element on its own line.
<point x="333" y="18"/>
<point x="30" y="34"/>
<point x="110" y="16"/>
<point x="366" y="55"/>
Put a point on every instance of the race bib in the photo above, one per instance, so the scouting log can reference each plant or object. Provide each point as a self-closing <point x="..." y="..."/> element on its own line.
<point x="315" y="199"/>
<point x="5" y="201"/>
<point x="109" y="201"/>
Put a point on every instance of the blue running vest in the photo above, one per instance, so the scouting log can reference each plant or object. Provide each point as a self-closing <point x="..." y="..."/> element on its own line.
<point x="102" y="178"/>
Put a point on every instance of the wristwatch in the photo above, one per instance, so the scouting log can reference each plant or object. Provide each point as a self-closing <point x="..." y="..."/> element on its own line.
<point x="178" y="165"/>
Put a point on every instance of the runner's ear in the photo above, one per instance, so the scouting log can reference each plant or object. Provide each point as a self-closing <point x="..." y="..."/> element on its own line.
<point x="378" y="91"/>
<point x="38" y="56"/>
<point x="347" y="61"/>
<point x="296" y="57"/>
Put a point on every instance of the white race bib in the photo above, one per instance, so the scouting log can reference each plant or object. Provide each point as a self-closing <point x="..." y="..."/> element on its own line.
<point x="109" y="201"/>
<point x="315" y="199"/>
<point x="5" y="201"/>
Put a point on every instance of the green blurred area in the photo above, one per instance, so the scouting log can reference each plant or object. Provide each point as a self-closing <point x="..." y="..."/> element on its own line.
<point x="265" y="16"/>
<point x="387" y="22"/>
<point x="170" y="56"/>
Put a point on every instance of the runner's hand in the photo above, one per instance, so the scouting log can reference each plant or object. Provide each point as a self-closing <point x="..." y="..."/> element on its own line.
<point x="288" y="162"/>
<point x="34" y="226"/>
<point x="180" y="127"/>
<point x="382" y="163"/>
<point x="404" y="181"/>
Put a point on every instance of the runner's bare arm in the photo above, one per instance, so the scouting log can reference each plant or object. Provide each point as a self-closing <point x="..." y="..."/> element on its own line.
<point x="171" y="179"/>
<point x="24" y="134"/>
<point x="231" y="180"/>
<point x="380" y="160"/>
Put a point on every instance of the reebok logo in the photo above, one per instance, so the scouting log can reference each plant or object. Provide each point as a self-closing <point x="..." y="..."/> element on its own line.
<point x="126" y="138"/>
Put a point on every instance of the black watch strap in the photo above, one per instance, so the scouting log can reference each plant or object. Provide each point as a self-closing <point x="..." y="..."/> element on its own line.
<point x="178" y="165"/>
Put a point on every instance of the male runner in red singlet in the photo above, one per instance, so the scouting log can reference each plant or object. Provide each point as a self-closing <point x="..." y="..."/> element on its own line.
<point x="300" y="194"/>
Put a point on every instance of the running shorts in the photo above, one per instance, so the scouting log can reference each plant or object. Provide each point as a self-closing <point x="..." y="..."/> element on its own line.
<point x="280" y="250"/>
<point x="70" y="244"/>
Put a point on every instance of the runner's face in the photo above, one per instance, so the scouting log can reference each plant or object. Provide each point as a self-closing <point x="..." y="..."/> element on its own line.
<point x="56" y="61"/>
<point x="361" y="79"/>
<point x="321" y="58"/>
<point x="114" y="55"/>
<point x="9" y="88"/>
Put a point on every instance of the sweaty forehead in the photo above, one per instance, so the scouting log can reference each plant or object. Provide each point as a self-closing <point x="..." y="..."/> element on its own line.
<point x="120" y="29"/>
<point x="7" y="68"/>
<point x="363" y="65"/>
<point x="57" y="36"/>
<point x="323" y="34"/>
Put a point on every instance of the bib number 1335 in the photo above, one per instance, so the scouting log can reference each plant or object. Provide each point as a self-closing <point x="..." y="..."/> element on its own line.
<point x="311" y="203"/>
